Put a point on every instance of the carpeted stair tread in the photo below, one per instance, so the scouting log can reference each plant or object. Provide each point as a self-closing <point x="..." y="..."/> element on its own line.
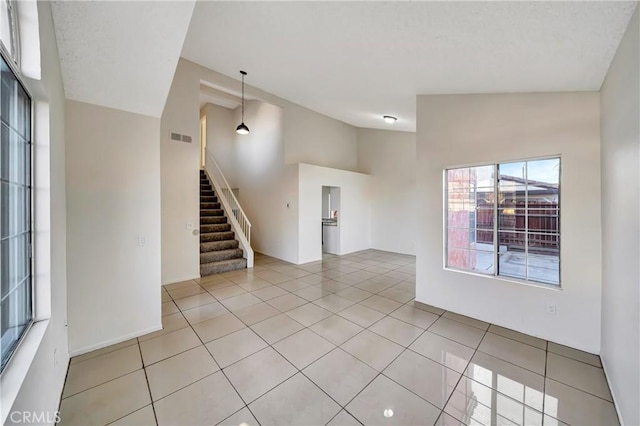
<point x="211" y="212"/>
<point x="207" y="220"/>
<point x="208" y="199"/>
<point x="216" y="236"/>
<point x="207" y="193"/>
<point x="219" y="245"/>
<point x="209" y="206"/>
<point x="220" y="255"/>
<point x="222" y="266"/>
<point x="215" y="227"/>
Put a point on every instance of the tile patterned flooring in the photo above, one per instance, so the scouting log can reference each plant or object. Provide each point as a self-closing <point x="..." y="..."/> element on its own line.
<point x="338" y="342"/>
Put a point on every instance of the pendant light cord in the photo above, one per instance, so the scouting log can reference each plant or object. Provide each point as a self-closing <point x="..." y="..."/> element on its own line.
<point x="243" y="74"/>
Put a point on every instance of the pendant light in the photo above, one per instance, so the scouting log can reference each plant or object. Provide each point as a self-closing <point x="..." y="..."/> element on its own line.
<point x="242" y="128"/>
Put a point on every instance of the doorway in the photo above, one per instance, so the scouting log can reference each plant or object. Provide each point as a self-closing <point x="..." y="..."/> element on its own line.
<point x="203" y="141"/>
<point x="331" y="219"/>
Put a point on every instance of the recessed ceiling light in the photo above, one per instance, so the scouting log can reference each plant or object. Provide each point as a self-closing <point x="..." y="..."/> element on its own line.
<point x="389" y="119"/>
<point x="388" y="412"/>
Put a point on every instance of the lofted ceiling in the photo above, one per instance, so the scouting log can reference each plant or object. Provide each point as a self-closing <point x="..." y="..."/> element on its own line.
<point x="356" y="61"/>
<point x="120" y="54"/>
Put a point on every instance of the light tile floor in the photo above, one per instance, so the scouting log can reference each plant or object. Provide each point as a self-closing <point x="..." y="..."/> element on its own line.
<point x="338" y="342"/>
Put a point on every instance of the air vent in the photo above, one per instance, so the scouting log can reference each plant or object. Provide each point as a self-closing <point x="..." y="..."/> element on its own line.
<point x="180" y="138"/>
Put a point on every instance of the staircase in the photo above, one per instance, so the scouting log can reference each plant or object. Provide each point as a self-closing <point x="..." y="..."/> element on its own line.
<point x="219" y="250"/>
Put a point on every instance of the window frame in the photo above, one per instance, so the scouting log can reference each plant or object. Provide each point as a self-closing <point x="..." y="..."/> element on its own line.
<point x="13" y="51"/>
<point x="496" y="243"/>
<point x="31" y="219"/>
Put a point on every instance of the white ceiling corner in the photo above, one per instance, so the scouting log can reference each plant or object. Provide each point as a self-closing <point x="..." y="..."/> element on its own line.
<point x="120" y="54"/>
<point x="356" y="61"/>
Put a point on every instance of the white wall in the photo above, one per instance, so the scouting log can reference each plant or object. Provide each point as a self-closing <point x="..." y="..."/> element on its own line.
<point x="390" y="158"/>
<point x="620" y="150"/>
<point x="41" y="388"/>
<point x="474" y="129"/>
<point x="353" y="217"/>
<point x="113" y="197"/>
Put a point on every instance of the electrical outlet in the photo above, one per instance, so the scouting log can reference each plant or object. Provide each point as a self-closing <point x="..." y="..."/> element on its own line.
<point x="552" y="308"/>
<point x="188" y="226"/>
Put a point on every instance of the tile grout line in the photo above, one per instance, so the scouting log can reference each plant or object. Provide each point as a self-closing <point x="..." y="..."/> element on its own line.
<point x="221" y="370"/>
<point x="146" y="378"/>
<point x="378" y="372"/>
<point x="463" y="375"/>
<point x="103" y="383"/>
<point x="66" y="376"/>
<point x="544" y="380"/>
<point x="269" y="345"/>
<point x="106" y="353"/>
<point x="300" y="370"/>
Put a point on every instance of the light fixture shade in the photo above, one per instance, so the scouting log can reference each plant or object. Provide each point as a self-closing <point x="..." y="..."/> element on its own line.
<point x="242" y="129"/>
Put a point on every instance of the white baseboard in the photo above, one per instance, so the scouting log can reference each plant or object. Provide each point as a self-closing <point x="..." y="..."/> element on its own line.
<point x="110" y="342"/>
<point x="179" y="280"/>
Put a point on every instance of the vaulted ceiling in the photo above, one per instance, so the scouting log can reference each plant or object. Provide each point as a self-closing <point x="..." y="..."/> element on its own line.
<point x="353" y="61"/>
<point x="120" y="54"/>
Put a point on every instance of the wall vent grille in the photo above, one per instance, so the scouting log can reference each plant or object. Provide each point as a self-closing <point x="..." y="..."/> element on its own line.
<point x="180" y="138"/>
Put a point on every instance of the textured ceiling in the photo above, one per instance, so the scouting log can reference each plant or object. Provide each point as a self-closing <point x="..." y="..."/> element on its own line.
<point x="120" y="54"/>
<point x="356" y="61"/>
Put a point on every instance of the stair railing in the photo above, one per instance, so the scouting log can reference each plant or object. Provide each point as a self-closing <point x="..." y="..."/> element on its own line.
<point x="237" y="217"/>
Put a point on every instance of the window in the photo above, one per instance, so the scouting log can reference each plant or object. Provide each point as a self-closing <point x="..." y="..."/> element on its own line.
<point x="16" y="308"/>
<point x="9" y="29"/>
<point x="504" y="220"/>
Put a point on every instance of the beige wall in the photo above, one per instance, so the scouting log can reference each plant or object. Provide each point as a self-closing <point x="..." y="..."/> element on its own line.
<point x="475" y="129"/>
<point x="180" y="180"/>
<point x="620" y="150"/>
<point x="260" y="164"/>
<point x="254" y="164"/>
<point x="113" y="200"/>
<point x="319" y="140"/>
<point x="390" y="158"/>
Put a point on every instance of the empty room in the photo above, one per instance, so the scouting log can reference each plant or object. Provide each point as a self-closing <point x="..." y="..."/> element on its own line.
<point x="320" y="213"/>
